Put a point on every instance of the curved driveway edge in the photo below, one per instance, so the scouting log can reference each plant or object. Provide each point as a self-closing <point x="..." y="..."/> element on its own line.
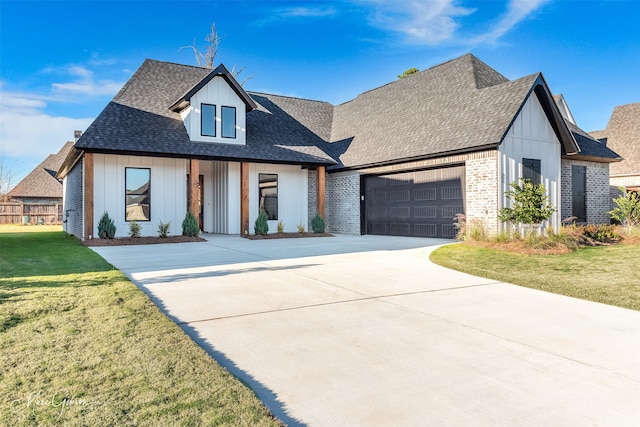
<point x="365" y="330"/>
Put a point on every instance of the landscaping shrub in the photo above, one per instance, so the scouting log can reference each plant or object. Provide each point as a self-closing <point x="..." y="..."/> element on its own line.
<point x="529" y="204"/>
<point x="261" y="227"/>
<point x="134" y="229"/>
<point x="460" y="224"/>
<point x="601" y="233"/>
<point x="317" y="224"/>
<point x="627" y="210"/>
<point x="163" y="229"/>
<point x="300" y="228"/>
<point x="190" y="225"/>
<point x="280" y="226"/>
<point x="106" y="227"/>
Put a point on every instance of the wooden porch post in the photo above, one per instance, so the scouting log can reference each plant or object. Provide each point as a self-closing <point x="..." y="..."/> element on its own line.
<point x="194" y="183"/>
<point x="88" y="196"/>
<point x="320" y="184"/>
<point x="244" y="197"/>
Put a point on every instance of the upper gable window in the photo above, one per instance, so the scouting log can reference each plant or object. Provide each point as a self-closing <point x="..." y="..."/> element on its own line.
<point x="208" y="125"/>
<point x="228" y="122"/>
<point x="531" y="170"/>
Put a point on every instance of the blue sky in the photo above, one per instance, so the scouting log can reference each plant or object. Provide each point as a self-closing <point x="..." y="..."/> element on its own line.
<point x="62" y="61"/>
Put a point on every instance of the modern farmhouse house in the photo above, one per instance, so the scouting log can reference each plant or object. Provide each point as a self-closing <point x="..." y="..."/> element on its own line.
<point x="402" y="159"/>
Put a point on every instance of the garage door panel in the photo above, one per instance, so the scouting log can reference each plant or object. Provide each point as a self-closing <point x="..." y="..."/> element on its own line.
<point x="418" y="203"/>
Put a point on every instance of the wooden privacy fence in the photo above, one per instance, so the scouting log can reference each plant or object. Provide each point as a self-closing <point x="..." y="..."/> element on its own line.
<point x="21" y="213"/>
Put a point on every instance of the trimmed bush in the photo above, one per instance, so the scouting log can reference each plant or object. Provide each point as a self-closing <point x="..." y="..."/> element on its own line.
<point x="163" y="229"/>
<point x="134" y="229"/>
<point x="190" y="225"/>
<point x="106" y="227"/>
<point x="317" y="224"/>
<point x="300" y="228"/>
<point x="280" y="226"/>
<point x="261" y="227"/>
<point x="530" y="204"/>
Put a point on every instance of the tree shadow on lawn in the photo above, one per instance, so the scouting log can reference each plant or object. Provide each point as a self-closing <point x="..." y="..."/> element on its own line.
<point x="62" y="281"/>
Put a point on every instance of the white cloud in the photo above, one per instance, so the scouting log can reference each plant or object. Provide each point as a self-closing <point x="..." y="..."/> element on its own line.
<point x="423" y="22"/>
<point x="85" y="84"/>
<point x="307" y="12"/>
<point x="517" y="10"/>
<point x="439" y="21"/>
<point x="27" y="131"/>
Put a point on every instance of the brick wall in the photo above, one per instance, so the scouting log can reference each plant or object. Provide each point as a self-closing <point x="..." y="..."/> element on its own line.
<point x="598" y="192"/>
<point x="342" y="202"/>
<point x="482" y="191"/>
<point x="73" y="195"/>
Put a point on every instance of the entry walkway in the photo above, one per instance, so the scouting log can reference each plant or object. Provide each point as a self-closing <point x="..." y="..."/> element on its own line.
<point x="366" y="331"/>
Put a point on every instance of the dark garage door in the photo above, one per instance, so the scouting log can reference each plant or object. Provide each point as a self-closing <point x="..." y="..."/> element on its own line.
<point x="420" y="203"/>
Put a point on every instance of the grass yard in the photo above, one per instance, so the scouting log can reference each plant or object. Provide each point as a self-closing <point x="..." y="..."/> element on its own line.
<point x="606" y="274"/>
<point x="82" y="345"/>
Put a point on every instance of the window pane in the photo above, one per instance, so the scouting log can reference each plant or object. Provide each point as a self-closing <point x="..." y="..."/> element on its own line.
<point x="269" y="194"/>
<point x="138" y="194"/>
<point x="208" y="120"/>
<point x="228" y="122"/>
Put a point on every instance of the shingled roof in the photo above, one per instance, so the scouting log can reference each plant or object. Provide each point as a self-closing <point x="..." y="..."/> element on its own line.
<point x="41" y="181"/>
<point x="590" y="148"/>
<point x="459" y="106"/>
<point x="139" y="120"/>
<point x="623" y="136"/>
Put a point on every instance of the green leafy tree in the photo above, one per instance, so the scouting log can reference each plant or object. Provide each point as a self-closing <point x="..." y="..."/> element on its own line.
<point x="529" y="204"/>
<point x="408" y="73"/>
<point x="627" y="210"/>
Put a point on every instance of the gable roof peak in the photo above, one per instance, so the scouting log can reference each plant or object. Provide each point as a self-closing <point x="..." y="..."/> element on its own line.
<point x="219" y="71"/>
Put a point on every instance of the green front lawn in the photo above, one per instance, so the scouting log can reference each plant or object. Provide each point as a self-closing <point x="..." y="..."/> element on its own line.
<point x="82" y="345"/>
<point x="606" y="274"/>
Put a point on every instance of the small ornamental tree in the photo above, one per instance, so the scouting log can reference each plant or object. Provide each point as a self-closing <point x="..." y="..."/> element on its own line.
<point x="190" y="225"/>
<point x="261" y="227"/>
<point x="317" y="224"/>
<point x="529" y="204"/>
<point x="627" y="210"/>
<point x="106" y="227"/>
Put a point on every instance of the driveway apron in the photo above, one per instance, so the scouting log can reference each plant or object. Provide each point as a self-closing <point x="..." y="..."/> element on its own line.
<point x="366" y="331"/>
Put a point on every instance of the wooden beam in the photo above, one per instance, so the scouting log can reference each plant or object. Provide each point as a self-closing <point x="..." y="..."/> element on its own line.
<point x="194" y="184"/>
<point x="88" y="196"/>
<point x="320" y="189"/>
<point x="244" y="197"/>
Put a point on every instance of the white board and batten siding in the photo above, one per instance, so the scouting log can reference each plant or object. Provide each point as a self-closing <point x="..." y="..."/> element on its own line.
<point x="532" y="137"/>
<point x="293" y="194"/>
<point x="168" y="191"/>
<point x="217" y="92"/>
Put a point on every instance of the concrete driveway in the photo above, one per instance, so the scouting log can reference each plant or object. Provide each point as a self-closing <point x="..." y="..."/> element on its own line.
<point x="365" y="331"/>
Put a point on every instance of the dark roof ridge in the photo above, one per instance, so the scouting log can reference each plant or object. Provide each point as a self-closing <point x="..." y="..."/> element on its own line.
<point x="287" y="96"/>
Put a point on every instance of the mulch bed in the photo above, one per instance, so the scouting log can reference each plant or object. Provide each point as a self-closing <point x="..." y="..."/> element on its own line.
<point x="285" y="236"/>
<point x="121" y="241"/>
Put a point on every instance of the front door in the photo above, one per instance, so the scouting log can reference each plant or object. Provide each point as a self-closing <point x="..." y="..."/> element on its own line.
<point x="579" y="192"/>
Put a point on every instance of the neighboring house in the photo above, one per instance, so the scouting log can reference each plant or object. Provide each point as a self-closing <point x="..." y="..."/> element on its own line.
<point x="41" y="185"/>
<point x="401" y="159"/>
<point x="623" y="135"/>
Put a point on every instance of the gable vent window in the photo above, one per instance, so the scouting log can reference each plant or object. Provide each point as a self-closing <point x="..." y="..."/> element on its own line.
<point x="228" y="122"/>
<point x="208" y="120"/>
<point x="531" y="170"/>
